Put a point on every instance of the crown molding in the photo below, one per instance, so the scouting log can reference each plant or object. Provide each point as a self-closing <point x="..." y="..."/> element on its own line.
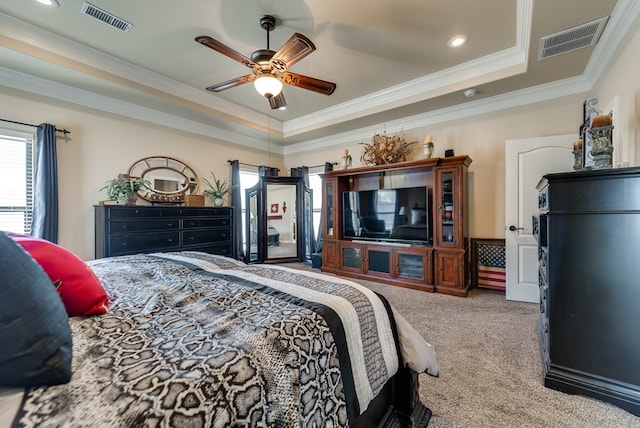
<point x="622" y="19"/>
<point x="52" y="47"/>
<point x="540" y="93"/>
<point x="620" y="22"/>
<point x="46" y="88"/>
<point x="499" y="65"/>
<point x="491" y="67"/>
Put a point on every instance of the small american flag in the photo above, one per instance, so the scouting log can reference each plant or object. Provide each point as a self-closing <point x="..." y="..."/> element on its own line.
<point x="491" y="266"/>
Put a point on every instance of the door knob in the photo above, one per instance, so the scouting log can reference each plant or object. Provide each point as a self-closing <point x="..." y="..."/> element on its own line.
<point x="513" y="228"/>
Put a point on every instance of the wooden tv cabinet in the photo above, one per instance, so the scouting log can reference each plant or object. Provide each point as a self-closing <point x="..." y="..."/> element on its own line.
<point x="441" y="265"/>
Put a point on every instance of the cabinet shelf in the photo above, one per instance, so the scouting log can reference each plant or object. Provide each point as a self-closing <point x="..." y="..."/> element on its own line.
<point x="442" y="266"/>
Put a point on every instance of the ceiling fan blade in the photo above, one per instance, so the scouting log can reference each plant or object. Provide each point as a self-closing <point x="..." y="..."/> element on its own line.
<point x="232" y="83"/>
<point x="310" y="83"/>
<point x="278" y="102"/>
<point x="225" y="50"/>
<point x="296" y="48"/>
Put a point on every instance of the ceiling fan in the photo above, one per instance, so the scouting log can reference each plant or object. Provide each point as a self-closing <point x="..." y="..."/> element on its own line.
<point x="270" y="68"/>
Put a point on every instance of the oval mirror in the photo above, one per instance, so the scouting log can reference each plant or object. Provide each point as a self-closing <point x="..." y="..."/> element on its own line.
<point x="170" y="179"/>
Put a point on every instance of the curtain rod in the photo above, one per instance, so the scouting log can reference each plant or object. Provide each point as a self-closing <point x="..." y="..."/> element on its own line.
<point x="64" y="131"/>
<point x="258" y="166"/>
<point x="245" y="164"/>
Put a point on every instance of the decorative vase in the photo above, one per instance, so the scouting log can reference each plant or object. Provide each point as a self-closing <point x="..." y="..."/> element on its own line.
<point x="428" y="150"/>
<point x="122" y="200"/>
<point x="577" y="160"/>
<point x="218" y="202"/>
<point x="602" y="148"/>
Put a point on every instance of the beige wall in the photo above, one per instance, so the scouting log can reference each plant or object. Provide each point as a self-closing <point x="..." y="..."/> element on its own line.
<point x="483" y="139"/>
<point x="102" y="145"/>
<point x="621" y="82"/>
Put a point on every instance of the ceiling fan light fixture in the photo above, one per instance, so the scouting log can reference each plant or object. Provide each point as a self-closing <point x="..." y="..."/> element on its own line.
<point x="268" y="86"/>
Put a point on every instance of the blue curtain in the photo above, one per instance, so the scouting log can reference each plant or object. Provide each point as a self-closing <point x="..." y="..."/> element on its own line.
<point x="236" y="202"/>
<point x="45" y="185"/>
<point x="268" y="171"/>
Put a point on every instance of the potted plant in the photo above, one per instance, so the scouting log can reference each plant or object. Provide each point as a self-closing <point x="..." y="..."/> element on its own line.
<point x="217" y="189"/>
<point x="123" y="188"/>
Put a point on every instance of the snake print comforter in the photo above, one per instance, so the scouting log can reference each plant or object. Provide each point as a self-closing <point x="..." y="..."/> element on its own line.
<point x="195" y="340"/>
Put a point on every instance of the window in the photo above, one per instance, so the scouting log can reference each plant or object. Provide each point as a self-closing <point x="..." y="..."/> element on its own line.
<point x="248" y="179"/>
<point x="315" y="183"/>
<point x="16" y="181"/>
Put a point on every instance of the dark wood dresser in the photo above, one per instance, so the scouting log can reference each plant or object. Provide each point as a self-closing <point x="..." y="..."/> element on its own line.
<point x="588" y="235"/>
<point x="122" y="230"/>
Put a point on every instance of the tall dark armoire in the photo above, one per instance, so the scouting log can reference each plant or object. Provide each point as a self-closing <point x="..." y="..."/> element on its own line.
<point x="588" y="232"/>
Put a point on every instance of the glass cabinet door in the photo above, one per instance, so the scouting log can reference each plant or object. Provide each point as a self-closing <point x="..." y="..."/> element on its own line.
<point x="411" y="266"/>
<point x="329" y="208"/>
<point x="447" y="209"/>
<point x="352" y="257"/>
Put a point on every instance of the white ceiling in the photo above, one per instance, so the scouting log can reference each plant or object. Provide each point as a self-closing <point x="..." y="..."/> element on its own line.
<point x="388" y="58"/>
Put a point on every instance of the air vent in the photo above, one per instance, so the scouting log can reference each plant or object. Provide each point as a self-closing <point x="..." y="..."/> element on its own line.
<point x="106" y="17"/>
<point x="572" y="39"/>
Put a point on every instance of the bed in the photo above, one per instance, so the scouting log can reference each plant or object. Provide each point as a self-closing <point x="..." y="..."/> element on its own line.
<point x="194" y="339"/>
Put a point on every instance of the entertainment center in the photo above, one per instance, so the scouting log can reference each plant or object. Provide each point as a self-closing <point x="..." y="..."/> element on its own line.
<point x="402" y="224"/>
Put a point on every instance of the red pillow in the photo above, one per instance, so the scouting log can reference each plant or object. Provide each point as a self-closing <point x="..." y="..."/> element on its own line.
<point x="78" y="286"/>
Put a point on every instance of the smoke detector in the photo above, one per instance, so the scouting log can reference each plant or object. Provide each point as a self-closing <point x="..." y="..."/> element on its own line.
<point x="470" y="92"/>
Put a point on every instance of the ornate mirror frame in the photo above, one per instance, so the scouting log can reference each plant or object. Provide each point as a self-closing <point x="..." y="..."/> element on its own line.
<point x="171" y="179"/>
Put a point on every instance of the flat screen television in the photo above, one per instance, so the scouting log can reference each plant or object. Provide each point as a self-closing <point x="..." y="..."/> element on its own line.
<point x="387" y="215"/>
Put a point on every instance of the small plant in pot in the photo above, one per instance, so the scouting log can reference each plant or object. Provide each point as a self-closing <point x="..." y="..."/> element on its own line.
<point x="123" y="188"/>
<point x="217" y="189"/>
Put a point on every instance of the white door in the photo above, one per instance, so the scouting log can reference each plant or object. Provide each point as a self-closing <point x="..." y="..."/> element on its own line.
<point x="526" y="161"/>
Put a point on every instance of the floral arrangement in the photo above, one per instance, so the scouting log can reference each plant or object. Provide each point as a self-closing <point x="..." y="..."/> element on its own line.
<point x="386" y="149"/>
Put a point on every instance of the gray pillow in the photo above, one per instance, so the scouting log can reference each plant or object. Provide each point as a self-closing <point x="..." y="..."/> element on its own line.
<point x="35" y="336"/>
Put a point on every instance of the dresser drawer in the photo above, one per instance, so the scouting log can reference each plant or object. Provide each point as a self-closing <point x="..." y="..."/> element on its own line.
<point x="142" y="226"/>
<point x="223" y="249"/>
<point x="212" y="236"/>
<point x="129" y="244"/>
<point x="196" y="212"/>
<point x="124" y="213"/>
<point x="122" y="230"/>
<point x="190" y="223"/>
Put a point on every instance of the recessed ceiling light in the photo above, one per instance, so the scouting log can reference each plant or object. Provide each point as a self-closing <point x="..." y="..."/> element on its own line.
<point x="470" y="92"/>
<point x="458" y="40"/>
<point x="52" y="3"/>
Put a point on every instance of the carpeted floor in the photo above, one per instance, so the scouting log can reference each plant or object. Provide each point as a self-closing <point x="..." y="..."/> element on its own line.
<point x="491" y="374"/>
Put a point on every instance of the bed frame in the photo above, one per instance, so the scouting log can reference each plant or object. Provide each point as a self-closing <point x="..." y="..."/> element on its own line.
<point x="397" y="405"/>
